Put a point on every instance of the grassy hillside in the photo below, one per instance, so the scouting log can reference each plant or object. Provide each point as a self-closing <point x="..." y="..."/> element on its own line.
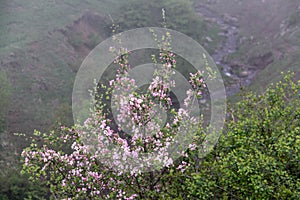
<point x="38" y="57"/>
<point x="23" y="22"/>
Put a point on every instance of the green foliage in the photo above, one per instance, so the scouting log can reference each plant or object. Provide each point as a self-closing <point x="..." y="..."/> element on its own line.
<point x="148" y="13"/>
<point x="180" y="16"/>
<point x="258" y="157"/>
<point x="294" y="19"/>
<point x="63" y="116"/>
<point x="18" y="187"/>
<point x="76" y="40"/>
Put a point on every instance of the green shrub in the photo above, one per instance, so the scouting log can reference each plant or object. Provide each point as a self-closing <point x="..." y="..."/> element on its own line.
<point x="76" y="40"/>
<point x="17" y="187"/>
<point x="258" y="156"/>
<point x="294" y="19"/>
<point x="180" y="16"/>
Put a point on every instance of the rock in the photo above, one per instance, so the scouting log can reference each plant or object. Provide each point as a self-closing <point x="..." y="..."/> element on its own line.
<point x="12" y="54"/>
<point x="244" y="74"/>
<point x="203" y="101"/>
<point x="282" y="33"/>
<point x="208" y="39"/>
<point x="229" y="19"/>
<point x="212" y="20"/>
<point x="227" y="74"/>
<point x="261" y="61"/>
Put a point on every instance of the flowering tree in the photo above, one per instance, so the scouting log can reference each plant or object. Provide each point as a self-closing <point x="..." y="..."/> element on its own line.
<point x="142" y="153"/>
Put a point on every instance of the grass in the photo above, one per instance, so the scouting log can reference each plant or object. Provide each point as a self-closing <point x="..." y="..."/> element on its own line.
<point x="273" y="72"/>
<point x="32" y="20"/>
<point x="26" y="23"/>
<point x="46" y="61"/>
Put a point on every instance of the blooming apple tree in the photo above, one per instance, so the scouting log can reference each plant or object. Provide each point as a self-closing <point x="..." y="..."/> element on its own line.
<point x="142" y="152"/>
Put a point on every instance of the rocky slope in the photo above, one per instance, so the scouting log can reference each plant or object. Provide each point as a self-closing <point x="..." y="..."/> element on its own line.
<point x="268" y="41"/>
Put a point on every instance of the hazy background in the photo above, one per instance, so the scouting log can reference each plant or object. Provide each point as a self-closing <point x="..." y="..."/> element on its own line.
<point x="43" y="42"/>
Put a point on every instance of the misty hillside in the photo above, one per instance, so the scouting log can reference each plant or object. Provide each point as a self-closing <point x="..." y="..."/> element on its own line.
<point x="269" y="36"/>
<point x="43" y="44"/>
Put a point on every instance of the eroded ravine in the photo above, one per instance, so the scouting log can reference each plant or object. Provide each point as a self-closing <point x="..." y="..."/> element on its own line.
<point x="231" y="32"/>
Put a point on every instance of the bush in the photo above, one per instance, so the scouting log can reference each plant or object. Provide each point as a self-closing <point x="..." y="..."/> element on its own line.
<point x="18" y="187"/>
<point x="293" y="19"/>
<point x="259" y="155"/>
<point x="180" y="16"/>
